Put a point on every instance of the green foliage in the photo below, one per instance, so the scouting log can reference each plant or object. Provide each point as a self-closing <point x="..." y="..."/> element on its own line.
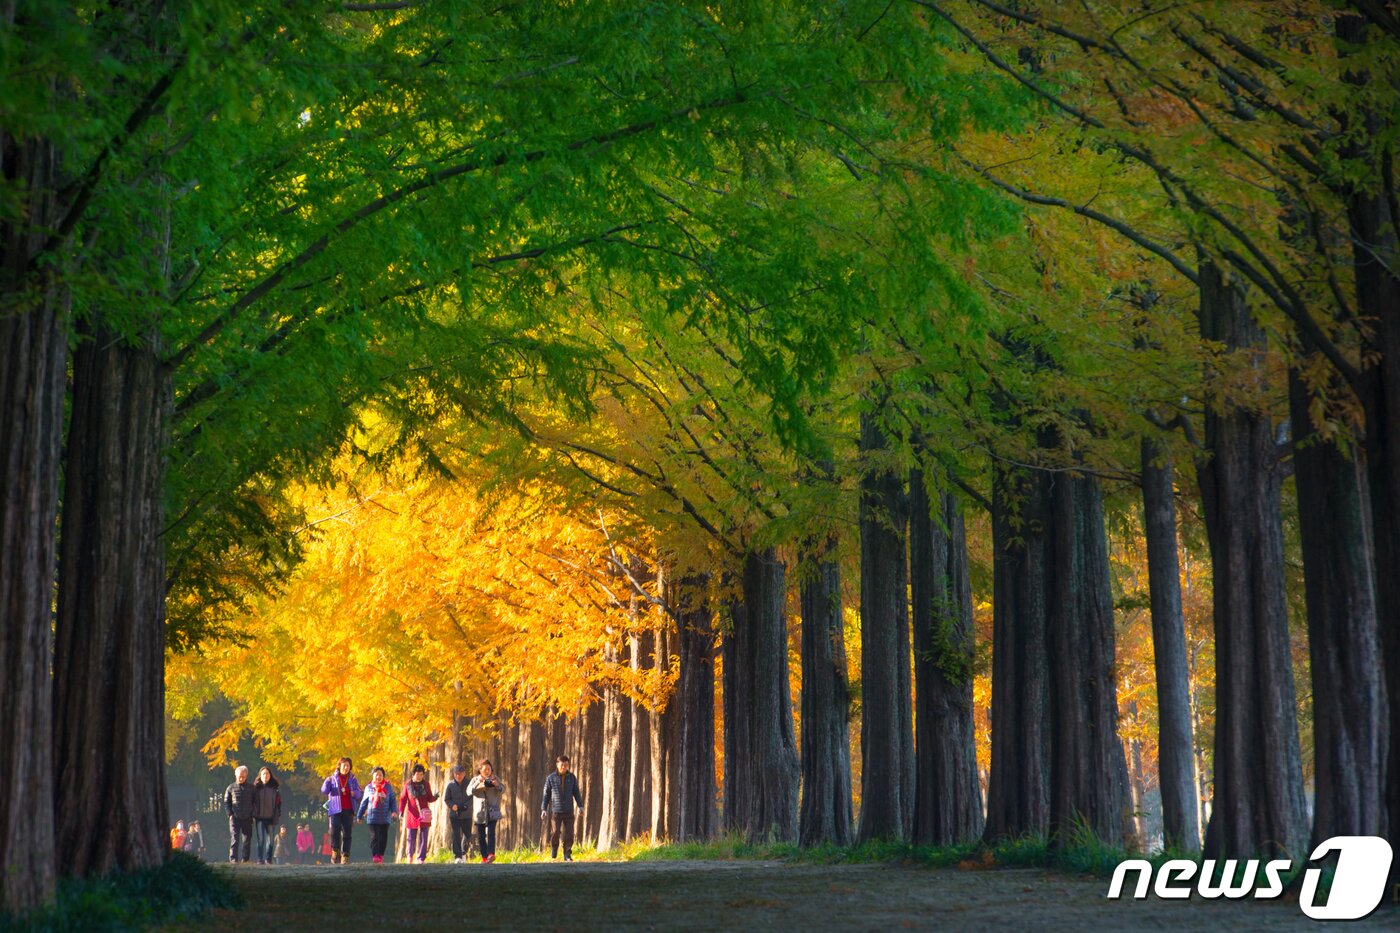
<point x="184" y="888"/>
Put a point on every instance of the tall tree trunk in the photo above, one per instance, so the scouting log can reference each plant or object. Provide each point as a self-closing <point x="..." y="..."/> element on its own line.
<point x="1138" y="783"/>
<point x="617" y="759"/>
<point x="695" y="710"/>
<point x="1175" y="745"/>
<point x="662" y="744"/>
<point x="1088" y="776"/>
<point x="109" y="657"/>
<point x="763" y="796"/>
<point x="947" y="796"/>
<point x="1372" y="215"/>
<point x="1350" y="719"/>
<point x="529" y="780"/>
<point x="1018" y="787"/>
<point x="33" y="355"/>
<point x="591" y="776"/>
<point x="732" y="724"/>
<point x="885" y="697"/>
<point x="639" y="768"/>
<point x="507" y="750"/>
<point x="826" y="734"/>
<point x="1258" y="803"/>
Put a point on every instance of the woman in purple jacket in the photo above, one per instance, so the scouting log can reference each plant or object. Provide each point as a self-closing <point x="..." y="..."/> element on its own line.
<point x="342" y="799"/>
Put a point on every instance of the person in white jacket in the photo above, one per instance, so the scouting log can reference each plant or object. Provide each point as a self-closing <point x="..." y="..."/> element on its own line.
<point x="486" y="790"/>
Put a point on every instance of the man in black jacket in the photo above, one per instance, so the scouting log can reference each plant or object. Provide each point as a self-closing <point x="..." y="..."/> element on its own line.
<point x="560" y="795"/>
<point x="238" y="804"/>
<point x="459" y="808"/>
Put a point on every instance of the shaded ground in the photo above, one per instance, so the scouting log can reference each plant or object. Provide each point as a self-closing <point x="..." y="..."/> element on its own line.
<point x="716" y="895"/>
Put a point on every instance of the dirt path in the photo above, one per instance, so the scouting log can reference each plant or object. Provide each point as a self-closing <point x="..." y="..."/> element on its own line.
<point x="718" y="896"/>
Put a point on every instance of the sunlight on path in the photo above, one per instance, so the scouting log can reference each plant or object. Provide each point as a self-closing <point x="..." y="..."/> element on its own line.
<point x="714" y="895"/>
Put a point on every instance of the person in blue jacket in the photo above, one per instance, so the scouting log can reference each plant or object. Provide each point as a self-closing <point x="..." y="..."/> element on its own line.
<point x="379" y="808"/>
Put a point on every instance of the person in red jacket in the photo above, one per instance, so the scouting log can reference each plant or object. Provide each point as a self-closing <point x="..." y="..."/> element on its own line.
<point x="415" y="806"/>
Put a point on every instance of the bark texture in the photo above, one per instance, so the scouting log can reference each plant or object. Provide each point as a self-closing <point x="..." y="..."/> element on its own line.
<point x="884" y="639"/>
<point x="109" y="653"/>
<point x="33" y="354"/>
<point x="1175" y="743"/>
<point x="1018" y="786"/>
<point x="1088" y="776"/>
<point x="1372" y="215"/>
<point x="696" y="816"/>
<point x="1350" y="718"/>
<point x="639" y="790"/>
<point x="1257" y="807"/>
<point x="826" y="736"/>
<point x="761" y="800"/>
<point x="617" y="757"/>
<point x="947" y="796"/>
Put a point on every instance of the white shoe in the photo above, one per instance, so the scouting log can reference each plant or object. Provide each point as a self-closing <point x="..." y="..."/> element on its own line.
<point x="459" y="860"/>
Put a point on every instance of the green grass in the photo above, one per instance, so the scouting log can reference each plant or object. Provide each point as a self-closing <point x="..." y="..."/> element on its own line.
<point x="1084" y="854"/>
<point x="182" y="888"/>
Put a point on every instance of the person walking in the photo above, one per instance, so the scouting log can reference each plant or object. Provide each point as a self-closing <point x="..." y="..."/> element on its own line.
<point x="326" y="849"/>
<point x="305" y="843"/>
<point x="561" y="793"/>
<point x="238" y="804"/>
<point x="457" y="801"/>
<point x="267" y="810"/>
<point x="342" y="794"/>
<point x="416" y="808"/>
<point x="284" y="846"/>
<point x="377" y="808"/>
<point x="486" y="790"/>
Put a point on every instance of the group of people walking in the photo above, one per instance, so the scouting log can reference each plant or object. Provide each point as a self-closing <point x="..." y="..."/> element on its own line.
<point x="472" y="806"/>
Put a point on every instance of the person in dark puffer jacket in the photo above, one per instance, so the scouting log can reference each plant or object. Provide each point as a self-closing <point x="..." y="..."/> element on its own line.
<point x="267" y="810"/>
<point x="457" y="801"/>
<point x="560" y="794"/>
<point x="238" y="804"/>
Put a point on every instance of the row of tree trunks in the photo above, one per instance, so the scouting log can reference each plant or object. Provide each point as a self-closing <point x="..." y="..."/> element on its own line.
<point x="109" y="653"/>
<point x="761" y="767"/>
<point x="947" y="795"/>
<point x="1057" y="759"/>
<point x="33" y="356"/>
<point x="886" y="804"/>
<point x="1257" y="808"/>
<point x="1175" y="743"/>
<point x="826" y="736"/>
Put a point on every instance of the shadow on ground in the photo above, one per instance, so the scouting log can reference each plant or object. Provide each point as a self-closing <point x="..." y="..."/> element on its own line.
<point x="717" y="896"/>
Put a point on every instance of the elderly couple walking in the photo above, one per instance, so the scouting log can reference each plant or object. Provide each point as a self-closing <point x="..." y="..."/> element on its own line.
<point x="249" y="806"/>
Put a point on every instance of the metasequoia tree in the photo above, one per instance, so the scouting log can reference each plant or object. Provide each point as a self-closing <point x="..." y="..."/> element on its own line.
<point x="1243" y="89"/>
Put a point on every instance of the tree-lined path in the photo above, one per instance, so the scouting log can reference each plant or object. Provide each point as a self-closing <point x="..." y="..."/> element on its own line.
<point x="722" y="895"/>
<point x="924" y="423"/>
